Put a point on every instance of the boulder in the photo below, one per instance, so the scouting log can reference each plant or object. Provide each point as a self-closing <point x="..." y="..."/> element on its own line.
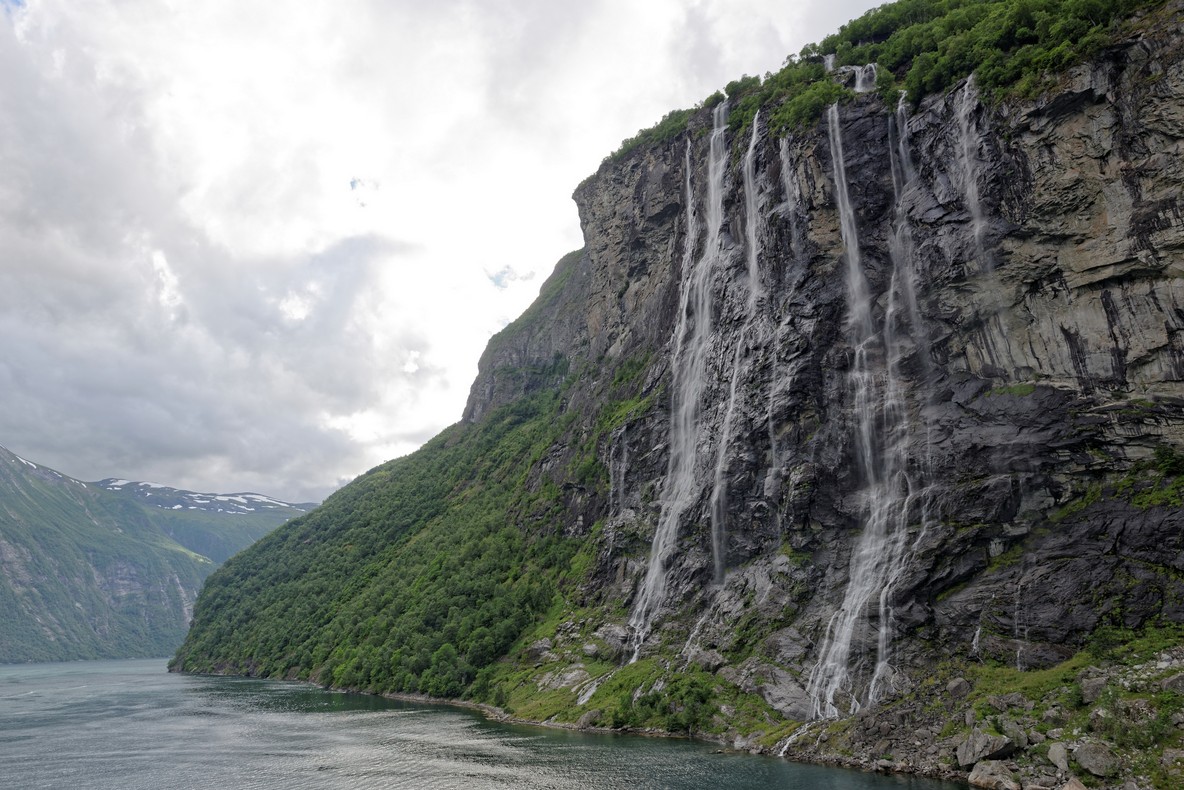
<point x="992" y="775"/>
<point x="958" y="688"/>
<point x="1014" y="731"/>
<point x="1058" y="755"/>
<point x="1174" y="683"/>
<point x="983" y="746"/>
<point x="1096" y="758"/>
<point x="1091" y="689"/>
<point x="1005" y="702"/>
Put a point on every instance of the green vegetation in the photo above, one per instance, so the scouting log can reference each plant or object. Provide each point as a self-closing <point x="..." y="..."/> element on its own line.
<point x="87" y="574"/>
<point x="1013" y="47"/>
<point x="1155" y="482"/>
<point x="413" y="578"/>
<point x="1010" y="45"/>
<point x="1015" y="390"/>
<point x="673" y="124"/>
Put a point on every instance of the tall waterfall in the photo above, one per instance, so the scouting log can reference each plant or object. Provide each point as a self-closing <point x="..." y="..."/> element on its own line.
<point x="794" y="217"/>
<point x="692" y="337"/>
<point x="882" y="430"/>
<point x="967" y="145"/>
<point x="719" y="490"/>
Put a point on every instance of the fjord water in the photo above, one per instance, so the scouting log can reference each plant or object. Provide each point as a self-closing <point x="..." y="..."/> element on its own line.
<point x="131" y="725"/>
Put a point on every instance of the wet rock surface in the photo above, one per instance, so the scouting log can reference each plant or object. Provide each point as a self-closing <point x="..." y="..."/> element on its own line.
<point x="1024" y="276"/>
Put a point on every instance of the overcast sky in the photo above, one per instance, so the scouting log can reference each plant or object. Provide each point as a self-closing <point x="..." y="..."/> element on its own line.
<point x="260" y="246"/>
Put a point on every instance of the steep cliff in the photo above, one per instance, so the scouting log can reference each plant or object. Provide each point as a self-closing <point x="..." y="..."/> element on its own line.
<point x="813" y="427"/>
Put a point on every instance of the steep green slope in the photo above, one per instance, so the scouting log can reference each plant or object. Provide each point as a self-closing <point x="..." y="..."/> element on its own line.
<point x="413" y="578"/>
<point x="86" y="572"/>
<point x="1013" y="47"/>
<point x="420" y="573"/>
<point x="1011" y="420"/>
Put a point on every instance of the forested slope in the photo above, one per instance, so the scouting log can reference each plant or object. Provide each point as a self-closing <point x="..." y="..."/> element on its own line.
<point x="854" y="430"/>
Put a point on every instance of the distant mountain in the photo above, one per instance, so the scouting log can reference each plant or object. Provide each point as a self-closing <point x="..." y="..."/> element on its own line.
<point x="110" y="569"/>
<point x="214" y="525"/>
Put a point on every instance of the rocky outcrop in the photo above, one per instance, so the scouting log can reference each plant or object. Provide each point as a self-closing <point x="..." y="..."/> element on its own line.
<point x="956" y="324"/>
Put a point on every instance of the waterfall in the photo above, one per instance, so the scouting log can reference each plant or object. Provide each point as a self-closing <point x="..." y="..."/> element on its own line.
<point x="794" y="216"/>
<point x="751" y="218"/>
<point x="793" y="200"/>
<point x="618" y="467"/>
<point x="865" y="78"/>
<point x="828" y="62"/>
<point x="901" y="244"/>
<point x="719" y="491"/>
<point x="692" y="336"/>
<point x="882" y="440"/>
<point x="967" y="145"/>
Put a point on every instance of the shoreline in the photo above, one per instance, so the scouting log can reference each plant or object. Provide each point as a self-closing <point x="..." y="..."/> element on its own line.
<point x="496" y="714"/>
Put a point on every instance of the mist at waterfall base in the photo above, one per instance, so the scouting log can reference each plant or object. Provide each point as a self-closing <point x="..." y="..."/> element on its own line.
<point x="129" y="725"/>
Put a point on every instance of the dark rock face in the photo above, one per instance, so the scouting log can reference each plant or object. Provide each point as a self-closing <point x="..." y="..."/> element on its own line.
<point x="1024" y="270"/>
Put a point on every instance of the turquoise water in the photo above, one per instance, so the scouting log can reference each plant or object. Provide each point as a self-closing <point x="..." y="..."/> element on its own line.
<point x="130" y="724"/>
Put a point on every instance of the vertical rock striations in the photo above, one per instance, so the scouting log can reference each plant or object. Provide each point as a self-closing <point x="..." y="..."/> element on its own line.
<point x="827" y="410"/>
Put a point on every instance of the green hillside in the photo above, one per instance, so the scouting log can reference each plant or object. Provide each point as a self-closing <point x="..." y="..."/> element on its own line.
<point x="90" y="573"/>
<point x="415" y="577"/>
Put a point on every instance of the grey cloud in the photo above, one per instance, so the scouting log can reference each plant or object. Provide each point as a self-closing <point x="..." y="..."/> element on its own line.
<point x="100" y="377"/>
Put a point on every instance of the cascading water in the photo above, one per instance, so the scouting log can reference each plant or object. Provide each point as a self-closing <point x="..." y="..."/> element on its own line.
<point x="719" y="491"/>
<point x="882" y="443"/>
<point x="967" y="144"/>
<point x="793" y="200"/>
<point x="692" y="337"/>
<point x="794" y="217"/>
<point x="865" y="78"/>
<point x="618" y="466"/>
<point x="995" y="337"/>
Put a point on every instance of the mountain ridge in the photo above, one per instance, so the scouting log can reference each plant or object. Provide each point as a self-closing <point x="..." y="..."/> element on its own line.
<point x="87" y="572"/>
<point x="860" y="444"/>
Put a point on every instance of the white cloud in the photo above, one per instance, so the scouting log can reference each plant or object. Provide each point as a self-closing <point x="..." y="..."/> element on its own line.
<point x="260" y="245"/>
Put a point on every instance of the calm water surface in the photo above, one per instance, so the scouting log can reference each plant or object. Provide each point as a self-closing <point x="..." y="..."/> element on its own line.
<point x="130" y="724"/>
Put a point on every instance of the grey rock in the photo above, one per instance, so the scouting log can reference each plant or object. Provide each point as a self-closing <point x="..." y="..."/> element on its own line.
<point x="983" y="746"/>
<point x="958" y="688"/>
<point x="1014" y="732"/>
<point x="1005" y="702"/>
<point x="1091" y="689"/>
<point x="993" y="775"/>
<point x="1095" y="758"/>
<point x="589" y="719"/>
<point x="539" y="649"/>
<point x="1173" y="683"/>
<point x="1058" y="755"/>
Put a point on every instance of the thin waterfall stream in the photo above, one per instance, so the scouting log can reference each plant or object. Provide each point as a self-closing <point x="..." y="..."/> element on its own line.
<point x="882" y="440"/>
<point x="719" y="490"/>
<point x="692" y="342"/>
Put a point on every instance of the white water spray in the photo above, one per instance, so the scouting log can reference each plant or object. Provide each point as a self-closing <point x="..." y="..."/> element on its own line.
<point x="967" y="158"/>
<point x="719" y="491"/>
<point x="882" y="440"/>
<point x="865" y="78"/>
<point x="692" y="337"/>
<point x="618" y="467"/>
